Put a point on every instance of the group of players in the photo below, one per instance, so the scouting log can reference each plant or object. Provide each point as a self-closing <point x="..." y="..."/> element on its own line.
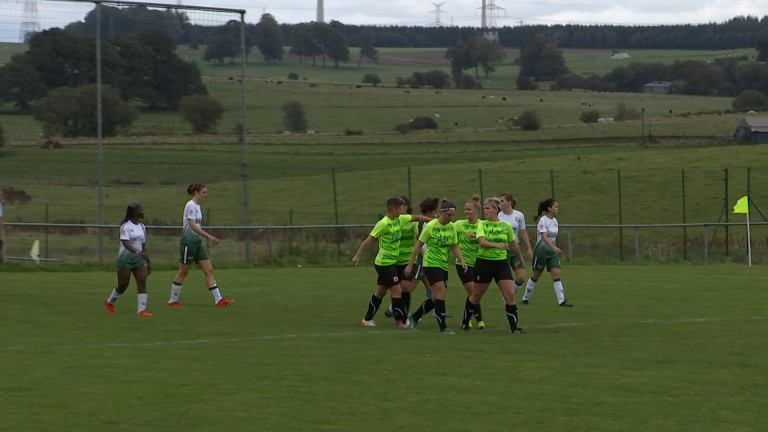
<point x="415" y="247"/>
<point x="133" y="257"/>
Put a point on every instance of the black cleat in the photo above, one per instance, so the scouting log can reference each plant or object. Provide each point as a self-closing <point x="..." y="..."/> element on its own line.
<point x="464" y="327"/>
<point x="518" y="330"/>
<point x="525" y="302"/>
<point x="565" y="304"/>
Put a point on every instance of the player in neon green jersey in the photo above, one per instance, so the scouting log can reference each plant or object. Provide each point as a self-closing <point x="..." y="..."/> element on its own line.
<point x="440" y="237"/>
<point x="516" y="218"/>
<point x="388" y="232"/>
<point x="466" y="230"/>
<point x="494" y="237"/>
<point x="545" y="252"/>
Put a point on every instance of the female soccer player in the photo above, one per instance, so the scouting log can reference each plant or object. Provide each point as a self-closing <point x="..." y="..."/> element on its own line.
<point x="440" y="236"/>
<point x="516" y="218"/>
<point x="545" y="252"/>
<point x="388" y="232"/>
<point x="132" y="258"/>
<point x="494" y="237"/>
<point x="191" y="248"/>
<point x="466" y="229"/>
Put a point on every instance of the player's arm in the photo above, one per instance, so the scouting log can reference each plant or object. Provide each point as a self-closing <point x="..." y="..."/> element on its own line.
<point x="363" y="245"/>
<point x="549" y="243"/>
<point x="482" y="241"/>
<point x="420" y="218"/>
<point x="196" y="228"/>
<point x="457" y="253"/>
<point x="524" y="239"/>
<point x="414" y="253"/>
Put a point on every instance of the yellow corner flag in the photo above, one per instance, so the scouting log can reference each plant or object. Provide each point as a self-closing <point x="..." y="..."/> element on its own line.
<point x="35" y="252"/>
<point x="742" y="205"/>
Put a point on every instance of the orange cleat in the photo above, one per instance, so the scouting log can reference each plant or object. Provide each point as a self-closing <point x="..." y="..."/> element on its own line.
<point x="143" y="313"/>
<point x="224" y="302"/>
<point x="174" y="304"/>
<point x="110" y="307"/>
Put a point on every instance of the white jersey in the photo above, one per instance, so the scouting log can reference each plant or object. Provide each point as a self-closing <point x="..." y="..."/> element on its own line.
<point x="191" y="211"/>
<point x="548" y="226"/>
<point x="136" y="234"/>
<point x="517" y="220"/>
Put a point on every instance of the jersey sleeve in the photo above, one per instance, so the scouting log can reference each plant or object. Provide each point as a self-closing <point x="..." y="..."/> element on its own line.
<point x="510" y="233"/>
<point x="189" y="212"/>
<point x="542" y="226"/>
<point x="455" y="239"/>
<point x="426" y="233"/>
<point x="124" y="233"/>
<point x="480" y="229"/>
<point x="521" y="225"/>
<point x="378" y="229"/>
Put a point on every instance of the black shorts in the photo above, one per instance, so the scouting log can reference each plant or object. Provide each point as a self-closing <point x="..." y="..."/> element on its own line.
<point x="416" y="272"/>
<point x="488" y="270"/>
<point x="388" y="276"/>
<point x="435" y="275"/>
<point x="466" y="277"/>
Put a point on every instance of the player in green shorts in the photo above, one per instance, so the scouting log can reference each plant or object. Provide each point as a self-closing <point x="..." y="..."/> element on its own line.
<point x="440" y="237"/>
<point x="545" y="253"/>
<point x="388" y="232"/>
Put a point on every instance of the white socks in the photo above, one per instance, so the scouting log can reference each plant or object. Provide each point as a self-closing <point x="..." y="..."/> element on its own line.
<point x="529" y="288"/>
<point x="113" y="297"/>
<point x="559" y="291"/>
<point x="175" y="292"/>
<point x="141" y="300"/>
<point x="215" y="292"/>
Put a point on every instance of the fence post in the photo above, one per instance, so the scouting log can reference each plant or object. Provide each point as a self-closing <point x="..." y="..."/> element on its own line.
<point x="685" y="230"/>
<point x="45" y="238"/>
<point x="637" y="244"/>
<point x="335" y="202"/>
<point x="269" y="246"/>
<point x="410" y="195"/>
<point x="570" y="245"/>
<point x="480" y="180"/>
<point x="621" y="219"/>
<point x="706" y="246"/>
<point x="552" y="183"/>
<point x="725" y="209"/>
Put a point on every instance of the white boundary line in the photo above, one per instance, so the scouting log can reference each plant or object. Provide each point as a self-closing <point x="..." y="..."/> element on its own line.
<point x="360" y="332"/>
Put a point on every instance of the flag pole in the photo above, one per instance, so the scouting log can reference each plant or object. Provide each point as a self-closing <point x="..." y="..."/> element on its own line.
<point x="749" y="242"/>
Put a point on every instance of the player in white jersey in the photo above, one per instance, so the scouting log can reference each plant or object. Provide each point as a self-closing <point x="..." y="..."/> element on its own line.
<point x="132" y="258"/>
<point x="516" y="218"/>
<point x="191" y="248"/>
<point x="545" y="252"/>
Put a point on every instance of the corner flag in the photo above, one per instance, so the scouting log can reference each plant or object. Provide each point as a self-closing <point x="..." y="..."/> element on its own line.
<point x="742" y="205"/>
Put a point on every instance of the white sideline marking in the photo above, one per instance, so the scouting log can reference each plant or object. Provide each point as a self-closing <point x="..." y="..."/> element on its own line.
<point x="339" y="334"/>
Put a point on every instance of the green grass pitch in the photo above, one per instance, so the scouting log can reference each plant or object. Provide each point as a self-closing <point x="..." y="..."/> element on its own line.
<point x="646" y="348"/>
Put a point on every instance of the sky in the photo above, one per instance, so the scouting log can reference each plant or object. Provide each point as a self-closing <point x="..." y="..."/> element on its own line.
<point x="510" y="13"/>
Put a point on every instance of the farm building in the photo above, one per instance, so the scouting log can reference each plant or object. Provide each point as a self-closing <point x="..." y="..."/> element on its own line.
<point x="658" y="87"/>
<point x="752" y="129"/>
<point x="620" y="56"/>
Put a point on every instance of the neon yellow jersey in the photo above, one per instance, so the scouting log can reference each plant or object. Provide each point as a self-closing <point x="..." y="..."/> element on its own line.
<point x="439" y="239"/>
<point x="467" y="244"/>
<point x="388" y="232"/>
<point x="495" y="232"/>
<point x="407" y="240"/>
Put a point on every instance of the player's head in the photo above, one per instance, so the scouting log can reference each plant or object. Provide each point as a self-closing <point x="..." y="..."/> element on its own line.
<point x="194" y="188"/>
<point x="491" y="208"/>
<point x="472" y="207"/>
<point x="394" y="204"/>
<point x="428" y="206"/>
<point x="409" y="208"/>
<point x="549" y="205"/>
<point x="447" y="210"/>
<point x="134" y="210"/>
<point x="507" y="202"/>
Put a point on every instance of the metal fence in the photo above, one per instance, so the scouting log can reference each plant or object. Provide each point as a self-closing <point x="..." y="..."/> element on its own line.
<point x="335" y="244"/>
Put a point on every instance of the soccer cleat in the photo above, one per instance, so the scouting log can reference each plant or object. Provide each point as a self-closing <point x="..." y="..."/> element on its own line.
<point x="481" y="325"/>
<point x="465" y="327"/>
<point x="525" y="302"/>
<point x="367" y="323"/>
<point x="224" y="302"/>
<point x="469" y="324"/>
<point x="174" y="304"/>
<point x="412" y="323"/>
<point x="401" y="324"/>
<point x="565" y="304"/>
<point x="143" y="313"/>
<point x="388" y="312"/>
<point x="110" y="307"/>
<point x="447" y="331"/>
<point x="518" y="330"/>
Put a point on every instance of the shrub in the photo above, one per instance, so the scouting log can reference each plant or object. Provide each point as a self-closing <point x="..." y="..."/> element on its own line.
<point x="293" y="116"/>
<point x="423" y="123"/>
<point x="71" y="111"/>
<point x="353" y="131"/>
<point x="466" y="81"/>
<point x="370" y="78"/>
<point x="403" y="128"/>
<point x="750" y="100"/>
<point x="400" y="82"/>
<point x="526" y="83"/>
<point x="529" y="121"/>
<point x="589" y="116"/>
<point x="623" y="112"/>
<point x="293" y="76"/>
<point x="202" y="112"/>
<point x="435" y="78"/>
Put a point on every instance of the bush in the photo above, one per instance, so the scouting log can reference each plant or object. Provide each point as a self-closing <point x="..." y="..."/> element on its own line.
<point x="293" y="116"/>
<point x="529" y="121"/>
<point x="202" y="112"/>
<point x="403" y="128"/>
<point x="435" y="78"/>
<point x="71" y="112"/>
<point x="466" y="81"/>
<point x="589" y="116"/>
<point x="400" y="82"/>
<point x="750" y="100"/>
<point x="370" y="78"/>
<point x="423" y="123"/>
<point x="293" y="76"/>
<point x="624" y="112"/>
<point x="526" y="83"/>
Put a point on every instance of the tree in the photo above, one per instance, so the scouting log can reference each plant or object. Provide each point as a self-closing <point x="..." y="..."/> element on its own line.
<point x="202" y="112"/>
<point x="761" y="44"/>
<point x="370" y="78"/>
<point x="71" y="111"/>
<point x="226" y="43"/>
<point x="20" y="83"/>
<point x="269" y="38"/>
<point x="750" y="100"/>
<point x="335" y="43"/>
<point x="304" y="43"/>
<point x="477" y="52"/>
<point x="700" y="78"/>
<point x="367" y="50"/>
<point x="293" y="116"/>
<point x="541" y="59"/>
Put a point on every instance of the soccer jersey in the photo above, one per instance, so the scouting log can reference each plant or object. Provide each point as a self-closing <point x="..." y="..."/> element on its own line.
<point x="439" y="239"/>
<point x="191" y="211"/>
<point x="407" y="240"/>
<point x="548" y="226"/>
<point x="388" y="232"/>
<point x="136" y="234"/>
<point x="495" y="232"/>
<point x="468" y="245"/>
<point x="517" y="220"/>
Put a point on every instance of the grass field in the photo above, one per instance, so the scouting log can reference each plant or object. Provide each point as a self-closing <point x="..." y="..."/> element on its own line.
<point x="662" y="347"/>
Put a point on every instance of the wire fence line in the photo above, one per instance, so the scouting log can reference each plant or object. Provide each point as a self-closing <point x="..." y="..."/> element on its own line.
<point x="334" y="244"/>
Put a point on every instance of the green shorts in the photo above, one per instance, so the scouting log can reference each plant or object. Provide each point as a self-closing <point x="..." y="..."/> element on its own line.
<point x="514" y="262"/>
<point x="192" y="251"/>
<point x="545" y="258"/>
<point x="129" y="261"/>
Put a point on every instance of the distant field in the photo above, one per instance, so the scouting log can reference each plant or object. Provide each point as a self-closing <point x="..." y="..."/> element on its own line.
<point x="643" y="349"/>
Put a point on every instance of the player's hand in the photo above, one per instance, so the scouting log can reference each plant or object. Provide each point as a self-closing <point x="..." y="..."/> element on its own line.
<point x="213" y="239"/>
<point x="355" y="260"/>
<point x="464" y="266"/>
<point x="408" y="269"/>
<point x="557" y="250"/>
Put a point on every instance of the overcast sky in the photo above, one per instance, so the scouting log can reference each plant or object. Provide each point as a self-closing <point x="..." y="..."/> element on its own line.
<point x="424" y="13"/>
